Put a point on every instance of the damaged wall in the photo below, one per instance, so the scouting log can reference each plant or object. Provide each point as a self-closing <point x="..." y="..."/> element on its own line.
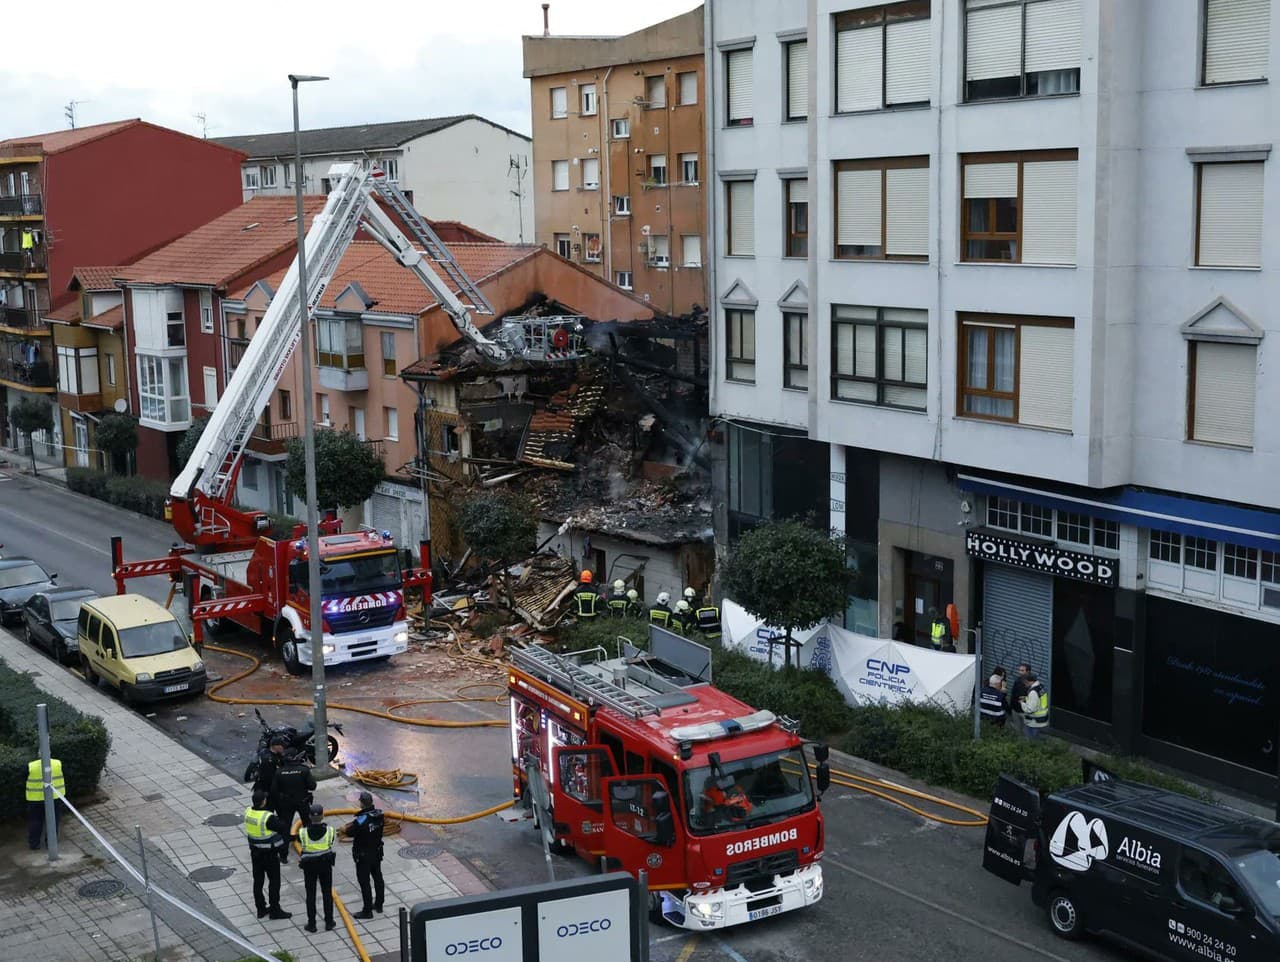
<point x="665" y="567"/>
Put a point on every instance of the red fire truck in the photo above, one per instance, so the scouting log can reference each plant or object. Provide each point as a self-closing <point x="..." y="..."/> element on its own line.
<point x="642" y="761"/>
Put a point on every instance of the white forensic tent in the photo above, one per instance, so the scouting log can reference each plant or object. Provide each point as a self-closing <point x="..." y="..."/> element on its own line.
<point x="741" y="629"/>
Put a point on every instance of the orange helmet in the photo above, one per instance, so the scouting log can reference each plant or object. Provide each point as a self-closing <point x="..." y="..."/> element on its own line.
<point x="585" y="577"/>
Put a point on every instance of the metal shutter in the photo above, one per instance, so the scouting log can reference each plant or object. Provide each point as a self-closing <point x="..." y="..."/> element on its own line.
<point x="907" y="203"/>
<point x="1017" y="621"/>
<point x="798" y="191"/>
<point x="858" y="208"/>
<point x="559" y="102"/>
<point x="859" y="69"/>
<point x="385" y="511"/>
<point x="590" y="173"/>
<point x="692" y="250"/>
<point x="1053" y="35"/>
<point x="993" y="43"/>
<point x="1231" y="215"/>
<point x="798" y="80"/>
<point x="559" y="175"/>
<point x="1049" y="212"/>
<point x="1236" y="42"/>
<point x="1045" y="375"/>
<point x="742" y="213"/>
<point x="738" y="67"/>
<point x="907" y="70"/>
<point x="990" y="180"/>
<point x="1224" y="399"/>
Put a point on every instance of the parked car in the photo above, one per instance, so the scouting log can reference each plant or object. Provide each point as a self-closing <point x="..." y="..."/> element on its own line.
<point x="20" y="578"/>
<point x="50" y="620"/>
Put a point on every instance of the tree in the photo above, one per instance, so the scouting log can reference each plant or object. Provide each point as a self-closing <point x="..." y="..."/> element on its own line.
<point x="347" y="470"/>
<point x="499" y="527"/>
<point x="30" y="417"/>
<point x="191" y="438"/>
<point x="787" y="574"/>
<point x="117" y="437"/>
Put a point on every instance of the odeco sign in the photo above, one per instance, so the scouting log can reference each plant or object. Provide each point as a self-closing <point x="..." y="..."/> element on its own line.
<point x="1047" y="559"/>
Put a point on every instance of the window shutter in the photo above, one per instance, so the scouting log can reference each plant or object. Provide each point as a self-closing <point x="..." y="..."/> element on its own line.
<point x="742" y="217"/>
<point x="559" y="101"/>
<point x="907" y="204"/>
<point x="993" y="43"/>
<point x="1231" y="215"/>
<point x="692" y="250"/>
<point x="798" y="191"/>
<point x="559" y="175"/>
<point x="990" y="180"/>
<point x="858" y="208"/>
<point x="1045" y="376"/>
<point x="1053" y="35"/>
<point x="907" y="72"/>
<point x="892" y="340"/>
<point x="590" y="172"/>
<point x="1236" y="42"/>
<point x="865" y="351"/>
<point x="1049" y="212"/>
<point x="740" y="84"/>
<point x="798" y="80"/>
<point x="1224" y="392"/>
<point x="844" y="348"/>
<point x="689" y="88"/>
<point x="916" y="354"/>
<point x="859" y="69"/>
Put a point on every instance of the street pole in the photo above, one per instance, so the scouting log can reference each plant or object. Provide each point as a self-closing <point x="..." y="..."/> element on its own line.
<point x="322" y="769"/>
<point x="146" y="885"/>
<point x="46" y="771"/>
<point x="977" y="682"/>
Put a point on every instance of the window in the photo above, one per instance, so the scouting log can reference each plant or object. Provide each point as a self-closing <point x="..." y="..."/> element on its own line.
<point x="1019" y="208"/>
<point x="621" y="128"/>
<point x="1037" y="520"/>
<point x="339" y="343"/>
<point x="621" y="205"/>
<point x="326" y="185"/>
<point x="879" y="355"/>
<point x="559" y="175"/>
<point x="1075" y="528"/>
<point x="391" y="420"/>
<point x="797" y="194"/>
<point x="688" y="84"/>
<point x="622" y="279"/>
<point x="78" y="370"/>
<point x="688" y="168"/>
<point x="1236" y="35"/>
<point x="797" y="60"/>
<point x="175" y="327"/>
<point x="1003" y="513"/>
<point x="563" y="245"/>
<point x="590" y="173"/>
<point x="267" y="172"/>
<point x="882" y="209"/>
<point x="206" y="312"/>
<point x="1021" y="48"/>
<point x="587" y="93"/>
<point x="740" y="343"/>
<point x="1202" y="877"/>
<point x="286" y="405"/>
<point x="690" y="250"/>
<point x="795" y="353"/>
<point x="1201" y="553"/>
<point x="882" y="57"/>
<point x="559" y="103"/>
<point x="655" y="91"/>
<point x="1240" y="575"/>
<point x="389" y="367"/>
<point x="1166" y="546"/>
<point x="657" y="170"/>
<point x="322" y="409"/>
<point x="1221" y="394"/>
<point x="591" y="248"/>
<point x="1106" y="534"/>
<point x="111" y="369"/>
<point x="391" y="167"/>
<point x="288" y="175"/>
<point x="162" y="390"/>
<point x="1017" y="369"/>
<point x="738" y="86"/>
<point x="1229" y="215"/>
<point x="740" y="212"/>
<point x="249" y="473"/>
<point x="250" y="178"/>
<point x="660" y="251"/>
<point x="1240" y="562"/>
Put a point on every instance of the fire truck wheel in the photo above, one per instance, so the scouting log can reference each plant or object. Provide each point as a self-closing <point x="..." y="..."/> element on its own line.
<point x="288" y="648"/>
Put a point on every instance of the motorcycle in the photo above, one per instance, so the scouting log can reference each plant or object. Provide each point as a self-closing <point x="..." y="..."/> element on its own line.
<point x="297" y="741"/>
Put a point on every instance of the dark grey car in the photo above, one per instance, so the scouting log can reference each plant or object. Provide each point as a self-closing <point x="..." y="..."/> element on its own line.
<point x="50" y="620"/>
<point x="20" y="578"/>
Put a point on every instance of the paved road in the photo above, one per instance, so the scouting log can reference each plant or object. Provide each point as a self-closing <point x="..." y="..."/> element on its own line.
<point x="899" y="888"/>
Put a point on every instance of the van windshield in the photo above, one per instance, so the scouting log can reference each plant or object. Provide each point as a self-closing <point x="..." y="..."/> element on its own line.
<point x="157" y="639"/>
<point x="1260" y="872"/>
<point x="747" y="792"/>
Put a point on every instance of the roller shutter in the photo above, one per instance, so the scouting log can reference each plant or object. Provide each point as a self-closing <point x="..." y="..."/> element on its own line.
<point x="1017" y="621"/>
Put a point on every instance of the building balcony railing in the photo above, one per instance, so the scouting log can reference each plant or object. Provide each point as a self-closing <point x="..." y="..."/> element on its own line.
<point x="22" y="317"/>
<point x="23" y="262"/>
<point x="271" y="438"/>
<point x="21" y="205"/>
<point x="36" y="374"/>
<point x="374" y="445"/>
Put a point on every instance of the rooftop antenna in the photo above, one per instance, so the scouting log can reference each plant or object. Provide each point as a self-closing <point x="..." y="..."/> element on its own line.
<point x="546" y="19"/>
<point x="69" y="111"/>
<point x="204" y="124"/>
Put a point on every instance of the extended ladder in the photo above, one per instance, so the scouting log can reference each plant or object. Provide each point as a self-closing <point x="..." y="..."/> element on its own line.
<point x="571" y="677"/>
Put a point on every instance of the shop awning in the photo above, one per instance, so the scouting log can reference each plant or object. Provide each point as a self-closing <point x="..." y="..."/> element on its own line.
<point x="1146" y="509"/>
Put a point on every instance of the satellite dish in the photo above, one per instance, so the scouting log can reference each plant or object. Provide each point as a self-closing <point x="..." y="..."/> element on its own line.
<point x="121" y="405"/>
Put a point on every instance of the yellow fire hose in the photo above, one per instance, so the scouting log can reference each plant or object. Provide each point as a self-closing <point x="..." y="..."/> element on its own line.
<point x="881" y="789"/>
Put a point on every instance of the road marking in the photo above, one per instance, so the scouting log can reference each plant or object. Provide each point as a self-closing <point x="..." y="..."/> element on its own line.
<point x="83" y="544"/>
<point x="828" y="860"/>
<point x="729" y="950"/>
<point x="668" y="938"/>
<point x="688" y="950"/>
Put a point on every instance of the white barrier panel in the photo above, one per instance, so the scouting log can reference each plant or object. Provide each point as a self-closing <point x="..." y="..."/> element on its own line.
<point x="742" y="630"/>
<point x="869" y="670"/>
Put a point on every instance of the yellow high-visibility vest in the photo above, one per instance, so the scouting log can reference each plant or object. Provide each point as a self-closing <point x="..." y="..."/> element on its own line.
<point x="315" y="847"/>
<point x="35" y="779"/>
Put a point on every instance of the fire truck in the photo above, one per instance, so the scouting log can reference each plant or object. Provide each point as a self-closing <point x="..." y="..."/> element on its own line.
<point x="232" y="571"/>
<point x="641" y="761"/>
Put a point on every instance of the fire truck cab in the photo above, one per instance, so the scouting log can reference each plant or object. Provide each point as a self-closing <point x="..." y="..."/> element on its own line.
<point x="640" y="760"/>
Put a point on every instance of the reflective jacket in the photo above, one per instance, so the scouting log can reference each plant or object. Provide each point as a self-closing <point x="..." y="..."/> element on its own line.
<point x="35" y="779"/>
<point x="709" y="621"/>
<point x="314" y="849"/>
<point x="587" y="601"/>
<point x="1035" y="707"/>
<point x="618" y="605"/>
<point x="938" y="634"/>
<point x="660" y="615"/>
<point x="260" y="826"/>
<point x="992" y="704"/>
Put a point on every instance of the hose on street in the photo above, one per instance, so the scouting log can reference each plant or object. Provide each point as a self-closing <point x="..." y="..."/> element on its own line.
<point x="881" y="788"/>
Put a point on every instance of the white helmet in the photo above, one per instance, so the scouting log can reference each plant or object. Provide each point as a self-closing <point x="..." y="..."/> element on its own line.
<point x="682" y="606"/>
<point x="633" y="595"/>
<point x="664" y="598"/>
<point x="690" y="594"/>
<point x="619" y="585"/>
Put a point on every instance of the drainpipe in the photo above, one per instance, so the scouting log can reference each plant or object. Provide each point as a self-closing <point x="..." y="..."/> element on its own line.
<point x="606" y="161"/>
<point x="713" y="309"/>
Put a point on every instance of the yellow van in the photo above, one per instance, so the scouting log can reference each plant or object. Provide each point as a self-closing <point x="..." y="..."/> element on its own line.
<point x="137" y="646"/>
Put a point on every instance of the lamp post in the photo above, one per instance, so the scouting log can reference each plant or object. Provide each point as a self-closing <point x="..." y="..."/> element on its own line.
<point x="322" y="768"/>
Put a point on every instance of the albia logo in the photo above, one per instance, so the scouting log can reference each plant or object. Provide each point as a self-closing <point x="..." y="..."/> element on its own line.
<point x="1078" y="841"/>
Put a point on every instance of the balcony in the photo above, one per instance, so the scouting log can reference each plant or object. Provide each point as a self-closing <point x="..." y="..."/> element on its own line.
<point x="23" y="262"/>
<point x="271" y="439"/>
<point x="36" y="376"/>
<point x="22" y="205"/>
<point x="23" y="319"/>
<point x="344" y="379"/>
<point x="81" y="403"/>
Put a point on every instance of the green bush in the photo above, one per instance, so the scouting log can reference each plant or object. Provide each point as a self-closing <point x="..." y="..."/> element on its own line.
<point x="134" y="494"/>
<point x="88" y="481"/>
<point x="603" y="632"/>
<point x="806" y="694"/>
<point x="282" y="525"/>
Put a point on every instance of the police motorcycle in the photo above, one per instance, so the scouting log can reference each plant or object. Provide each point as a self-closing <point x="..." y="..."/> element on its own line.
<point x="297" y="741"/>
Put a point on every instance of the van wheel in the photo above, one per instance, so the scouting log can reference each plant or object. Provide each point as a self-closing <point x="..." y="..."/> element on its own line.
<point x="1064" y="916"/>
<point x="288" y="649"/>
<point x="89" y="676"/>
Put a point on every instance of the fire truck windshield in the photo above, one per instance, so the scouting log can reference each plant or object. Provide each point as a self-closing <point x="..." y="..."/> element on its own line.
<point x="358" y="574"/>
<point x="746" y="792"/>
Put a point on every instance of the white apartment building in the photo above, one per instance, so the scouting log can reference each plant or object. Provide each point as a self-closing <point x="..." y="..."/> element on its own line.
<point x="990" y="284"/>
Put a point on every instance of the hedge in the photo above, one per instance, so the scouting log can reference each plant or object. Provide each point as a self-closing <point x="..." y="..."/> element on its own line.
<point x="806" y="694"/>
<point x="80" y="741"/>
<point x="135" y="494"/>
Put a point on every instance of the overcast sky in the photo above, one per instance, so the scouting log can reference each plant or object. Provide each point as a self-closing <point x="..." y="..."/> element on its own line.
<point x="388" y="61"/>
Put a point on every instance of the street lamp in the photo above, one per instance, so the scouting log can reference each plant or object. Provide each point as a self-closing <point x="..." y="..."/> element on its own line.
<point x="314" y="592"/>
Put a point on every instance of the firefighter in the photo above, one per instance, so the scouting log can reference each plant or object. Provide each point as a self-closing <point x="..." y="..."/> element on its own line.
<point x="291" y="790"/>
<point x="682" y="618"/>
<point x="725" y="795"/>
<point x="707" y="618"/>
<point x="618" y="599"/>
<point x="587" y="600"/>
<point x="660" y="612"/>
<point x="634" y="608"/>
<point x="691" y="596"/>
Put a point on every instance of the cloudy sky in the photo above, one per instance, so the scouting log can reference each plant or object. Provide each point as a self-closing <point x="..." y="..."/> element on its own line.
<point x="169" y="61"/>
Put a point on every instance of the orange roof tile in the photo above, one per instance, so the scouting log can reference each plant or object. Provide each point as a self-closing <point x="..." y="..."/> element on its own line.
<point x="94" y="278"/>
<point x="226" y="247"/>
<point x="111" y="319"/>
<point x="57" y="140"/>
<point x="68" y="313"/>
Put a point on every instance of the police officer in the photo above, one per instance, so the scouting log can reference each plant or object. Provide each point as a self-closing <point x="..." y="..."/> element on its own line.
<point x="291" y="789"/>
<point x="1035" y="707"/>
<point x="586" y="599"/>
<point x="365" y="831"/>
<point x="266" y="834"/>
<point x="316" y="841"/>
<point x="35" y="798"/>
<point x="269" y="761"/>
<point x="991" y="701"/>
<point x="707" y="618"/>
<point x="618" y="599"/>
<point x="660" y="610"/>
<point x="634" y="608"/>
<point x="682" y="618"/>
<point x="939" y="630"/>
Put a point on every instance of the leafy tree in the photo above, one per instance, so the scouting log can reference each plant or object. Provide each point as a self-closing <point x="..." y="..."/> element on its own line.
<point x="500" y="528"/>
<point x="117" y="437"/>
<point x="191" y="438"/>
<point x="347" y="470"/>
<point x="30" y="417"/>
<point x="787" y="574"/>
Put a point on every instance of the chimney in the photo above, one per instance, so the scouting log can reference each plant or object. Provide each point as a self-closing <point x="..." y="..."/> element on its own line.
<point x="546" y="19"/>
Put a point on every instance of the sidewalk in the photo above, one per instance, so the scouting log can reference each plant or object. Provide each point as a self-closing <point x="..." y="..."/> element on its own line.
<point x="191" y="816"/>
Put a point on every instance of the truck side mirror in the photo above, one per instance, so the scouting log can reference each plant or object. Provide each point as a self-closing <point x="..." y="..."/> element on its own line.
<point x="824" y="777"/>
<point x="821" y="752"/>
<point x="664" y="826"/>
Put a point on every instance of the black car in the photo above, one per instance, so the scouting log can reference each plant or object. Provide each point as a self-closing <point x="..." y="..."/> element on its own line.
<point x="20" y="578"/>
<point x="50" y="620"/>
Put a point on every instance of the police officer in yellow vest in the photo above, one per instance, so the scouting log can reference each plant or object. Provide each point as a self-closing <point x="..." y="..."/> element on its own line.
<point x="1035" y="707"/>
<point x="317" y="858"/>
<point x="265" y="831"/>
<point x="587" y="600"/>
<point x="660" y="611"/>
<point x="939" y="630"/>
<point x="35" y="798"/>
